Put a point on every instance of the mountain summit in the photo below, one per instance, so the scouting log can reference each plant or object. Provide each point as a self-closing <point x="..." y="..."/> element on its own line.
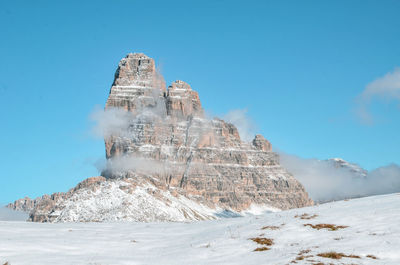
<point x="167" y="162"/>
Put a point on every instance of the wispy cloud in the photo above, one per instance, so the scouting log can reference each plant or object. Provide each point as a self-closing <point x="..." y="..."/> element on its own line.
<point x="245" y="125"/>
<point x="109" y="122"/>
<point x="120" y="165"/>
<point x="385" y="88"/>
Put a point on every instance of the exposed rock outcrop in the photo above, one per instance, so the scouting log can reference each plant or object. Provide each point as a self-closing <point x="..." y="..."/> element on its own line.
<point x="25" y="204"/>
<point x="168" y="149"/>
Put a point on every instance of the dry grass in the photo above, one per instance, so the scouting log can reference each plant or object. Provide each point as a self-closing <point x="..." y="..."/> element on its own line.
<point x="303" y="257"/>
<point x="262" y="249"/>
<point x="270" y="227"/>
<point x="330" y="227"/>
<point x="336" y="255"/>
<point x="7" y="263"/>
<point x="306" y="216"/>
<point x="372" y="257"/>
<point x="263" y="241"/>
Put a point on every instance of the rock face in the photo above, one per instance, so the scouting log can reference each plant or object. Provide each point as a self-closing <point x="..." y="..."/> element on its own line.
<point x="25" y="204"/>
<point x="200" y="158"/>
<point x="167" y="155"/>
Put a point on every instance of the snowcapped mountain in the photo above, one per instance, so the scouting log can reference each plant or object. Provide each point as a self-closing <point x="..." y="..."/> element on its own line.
<point x="352" y="167"/>
<point x="355" y="231"/>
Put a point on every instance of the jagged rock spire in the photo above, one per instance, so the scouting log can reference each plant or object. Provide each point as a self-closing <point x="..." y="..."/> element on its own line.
<point x="261" y="143"/>
<point x="138" y="85"/>
<point x="182" y="101"/>
<point x="136" y="69"/>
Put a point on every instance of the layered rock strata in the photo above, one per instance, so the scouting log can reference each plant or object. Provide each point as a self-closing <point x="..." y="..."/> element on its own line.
<point x="200" y="158"/>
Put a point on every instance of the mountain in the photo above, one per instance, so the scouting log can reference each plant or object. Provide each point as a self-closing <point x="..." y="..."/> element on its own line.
<point x="167" y="162"/>
<point x="355" y="169"/>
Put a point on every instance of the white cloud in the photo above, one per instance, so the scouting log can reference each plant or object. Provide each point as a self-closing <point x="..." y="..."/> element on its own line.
<point x="384" y="88"/>
<point x="131" y="163"/>
<point x="109" y="122"/>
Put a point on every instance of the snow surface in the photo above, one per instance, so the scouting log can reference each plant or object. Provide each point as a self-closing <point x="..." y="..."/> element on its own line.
<point x="373" y="229"/>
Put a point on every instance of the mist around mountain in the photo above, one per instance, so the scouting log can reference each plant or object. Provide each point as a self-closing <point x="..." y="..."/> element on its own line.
<point x="336" y="179"/>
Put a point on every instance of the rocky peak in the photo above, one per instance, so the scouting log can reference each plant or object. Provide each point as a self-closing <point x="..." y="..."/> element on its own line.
<point x="182" y="101"/>
<point x="137" y="84"/>
<point x="179" y="85"/>
<point x="261" y="143"/>
<point x="355" y="169"/>
<point x="136" y="69"/>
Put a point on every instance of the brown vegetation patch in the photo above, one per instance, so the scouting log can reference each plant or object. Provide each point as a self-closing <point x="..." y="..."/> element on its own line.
<point x="262" y="249"/>
<point x="7" y="263"/>
<point x="263" y="241"/>
<point x="303" y="257"/>
<point x="336" y="255"/>
<point x="306" y="216"/>
<point x="372" y="257"/>
<point x="270" y="227"/>
<point x="330" y="227"/>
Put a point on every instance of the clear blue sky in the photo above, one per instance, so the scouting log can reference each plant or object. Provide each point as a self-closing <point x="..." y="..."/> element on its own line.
<point x="297" y="66"/>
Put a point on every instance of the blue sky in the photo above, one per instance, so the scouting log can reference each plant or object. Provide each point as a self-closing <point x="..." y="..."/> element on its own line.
<point x="298" y="68"/>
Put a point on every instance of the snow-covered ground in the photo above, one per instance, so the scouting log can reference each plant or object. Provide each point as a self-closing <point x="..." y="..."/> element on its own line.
<point x="373" y="229"/>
